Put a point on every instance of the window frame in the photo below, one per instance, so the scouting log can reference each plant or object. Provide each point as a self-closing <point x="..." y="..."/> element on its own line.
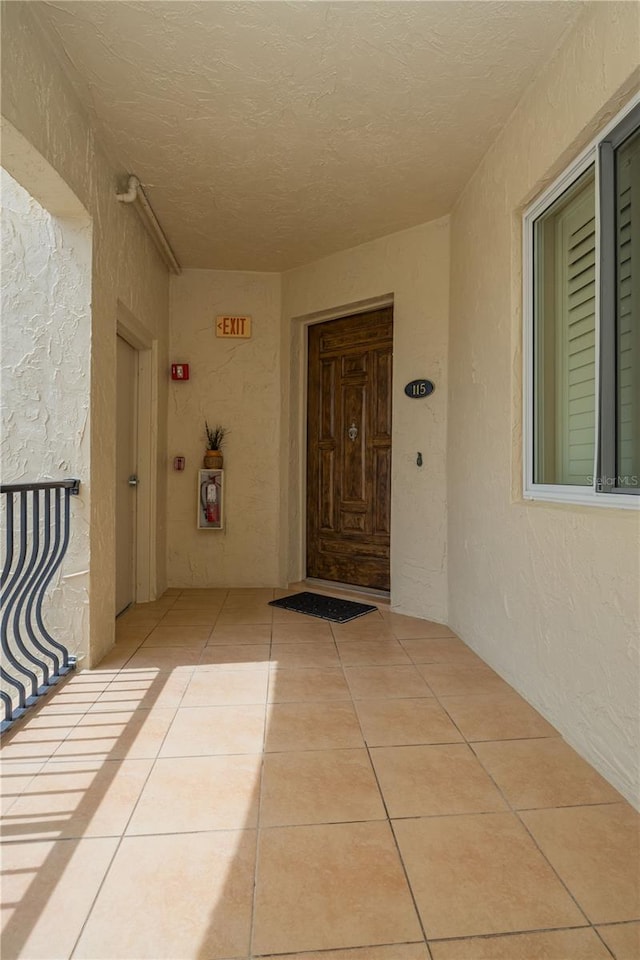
<point x="599" y="154"/>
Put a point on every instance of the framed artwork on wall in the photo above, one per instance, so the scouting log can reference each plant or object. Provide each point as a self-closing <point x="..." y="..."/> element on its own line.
<point x="210" y="500"/>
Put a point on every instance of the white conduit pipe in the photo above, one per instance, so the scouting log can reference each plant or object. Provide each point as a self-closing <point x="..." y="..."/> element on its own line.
<point x="135" y="193"/>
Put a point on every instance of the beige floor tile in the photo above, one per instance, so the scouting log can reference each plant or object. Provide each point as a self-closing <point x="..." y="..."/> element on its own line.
<point x="623" y="940"/>
<point x="354" y="889"/>
<point x="233" y="634"/>
<point x="120" y="654"/>
<point x="165" y="658"/>
<point x="481" y="874"/>
<point x="138" y="616"/>
<point x="202" y="731"/>
<point x="203" y="593"/>
<point x="398" y="951"/>
<point x="245" y="613"/>
<point x="355" y="652"/>
<point x="550" y="945"/>
<point x="326" y="683"/>
<point x="312" y="726"/>
<point x="320" y="653"/>
<point x="372" y="683"/>
<point x="212" y="688"/>
<point x="78" y="799"/>
<point x="191" y="617"/>
<point x="189" y="794"/>
<point x="449" y="679"/>
<point x="116" y="735"/>
<point x="596" y="851"/>
<point x="319" y="786"/>
<point x="370" y="627"/>
<point x="171" y="592"/>
<point x="543" y="773"/>
<point x="127" y="632"/>
<point x="68" y="709"/>
<point x="14" y="779"/>
<point x="250" y="593"/>
<point x="40" y="882"/>
<point x="196" y="890"/>
<point x="248" y="602"/>
<point x="37" y="737"/>
<point x="143" y="690"/>
<point x="302" y="632"/>
<point x="155" y="607"/>
<point x="246" y="619"/>
<point x="427" y="781"/>
<point x="193" y="612"/>
<point x="449" y="650"/>
<point x="195" y="635"/>
<point x="407" y="628"/>
<point x="288" y="616"/>
<point x="496" y="717"/>
<point x="387" y="723"/>
<point x="97" y="675"/>
<point x="235" y="656"/>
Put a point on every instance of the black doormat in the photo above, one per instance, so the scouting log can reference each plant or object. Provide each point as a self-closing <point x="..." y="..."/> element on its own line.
<point x="327" y="608"/>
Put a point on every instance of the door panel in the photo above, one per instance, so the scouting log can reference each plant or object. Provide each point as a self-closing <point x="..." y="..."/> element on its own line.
<point x="349" y="449"/>
<point x="126" y="419"/>
<point x="354" y="451"/>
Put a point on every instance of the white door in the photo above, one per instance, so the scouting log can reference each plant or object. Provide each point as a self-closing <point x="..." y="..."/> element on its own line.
<point x="126" y="468"/>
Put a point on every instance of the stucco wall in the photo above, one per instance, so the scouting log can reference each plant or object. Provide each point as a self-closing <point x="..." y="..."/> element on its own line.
<point x="413" y="266"/>
<point x="235" y="383"/>
<point x="39" y="103"/>
<point x="45" y="338"/>
<point x="549" y="595"/>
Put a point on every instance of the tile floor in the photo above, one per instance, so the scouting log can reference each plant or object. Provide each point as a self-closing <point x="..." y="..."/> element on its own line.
<point x="236" y="781"/>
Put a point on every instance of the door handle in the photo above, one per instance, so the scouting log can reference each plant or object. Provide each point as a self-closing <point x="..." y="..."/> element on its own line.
<point x="133" y="480"/>
<point x="352" y="432"/>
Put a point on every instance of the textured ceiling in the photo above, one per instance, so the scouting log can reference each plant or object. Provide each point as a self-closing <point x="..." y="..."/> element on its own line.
<point x="268" y="134"/>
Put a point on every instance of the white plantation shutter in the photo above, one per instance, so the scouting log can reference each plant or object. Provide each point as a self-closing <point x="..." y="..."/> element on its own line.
<point x="628" y="295"/>
<point x="575" y="248"/>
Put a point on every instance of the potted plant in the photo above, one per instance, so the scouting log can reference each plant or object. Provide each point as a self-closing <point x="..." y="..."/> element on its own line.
<point x="215" y="441"/>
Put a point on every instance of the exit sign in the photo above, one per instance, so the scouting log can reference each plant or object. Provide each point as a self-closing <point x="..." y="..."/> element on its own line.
<point x="236" y="327"/>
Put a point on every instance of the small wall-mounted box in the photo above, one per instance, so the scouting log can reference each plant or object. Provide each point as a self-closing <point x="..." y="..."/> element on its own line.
<point x="179" y="371"/>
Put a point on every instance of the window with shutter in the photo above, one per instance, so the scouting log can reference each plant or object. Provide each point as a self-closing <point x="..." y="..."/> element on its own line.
<point x="566" y="338"/>
<point x="582" y="326"/>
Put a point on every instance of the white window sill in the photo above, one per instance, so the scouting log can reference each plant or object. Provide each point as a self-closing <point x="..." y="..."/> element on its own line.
<point x="583" y="497"/>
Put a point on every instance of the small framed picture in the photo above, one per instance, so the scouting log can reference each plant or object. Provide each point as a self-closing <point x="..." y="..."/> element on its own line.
<point x="210" y="500"/>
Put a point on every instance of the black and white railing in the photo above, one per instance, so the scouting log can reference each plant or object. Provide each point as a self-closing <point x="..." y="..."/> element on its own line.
<point x="36" y="520"/>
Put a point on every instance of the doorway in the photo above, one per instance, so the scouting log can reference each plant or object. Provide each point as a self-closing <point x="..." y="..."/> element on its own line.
<point x="349" y="449"/>
<point x="126" y="472"/>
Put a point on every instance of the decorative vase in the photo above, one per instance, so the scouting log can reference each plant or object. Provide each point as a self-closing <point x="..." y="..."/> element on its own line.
<point x="212" y="460"/>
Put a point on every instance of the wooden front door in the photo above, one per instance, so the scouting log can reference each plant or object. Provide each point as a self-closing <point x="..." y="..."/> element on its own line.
<point x="349" y="449"/>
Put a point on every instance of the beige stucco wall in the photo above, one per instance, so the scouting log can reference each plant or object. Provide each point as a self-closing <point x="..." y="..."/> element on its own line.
<point x="44" y="380"/>
<point x="549" y="595"/>
<point x="413" y="266"/>
<point x="39" y="103"/>
<point x="235" y="383"/>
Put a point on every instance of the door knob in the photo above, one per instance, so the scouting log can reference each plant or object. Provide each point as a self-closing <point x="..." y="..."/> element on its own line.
<point x="133" y="480"/>
<point x="352" y="432"/>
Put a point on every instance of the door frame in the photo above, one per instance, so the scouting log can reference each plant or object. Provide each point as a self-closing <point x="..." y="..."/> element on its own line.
<point x="146" y="347"/>
<point x="299" y="391"/>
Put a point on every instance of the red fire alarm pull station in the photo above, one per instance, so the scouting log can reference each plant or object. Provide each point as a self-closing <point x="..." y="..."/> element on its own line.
<point x="179" y="371"/>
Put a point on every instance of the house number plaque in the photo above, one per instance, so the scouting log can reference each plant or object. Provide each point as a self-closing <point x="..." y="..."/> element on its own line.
<point x="419" y="388"/>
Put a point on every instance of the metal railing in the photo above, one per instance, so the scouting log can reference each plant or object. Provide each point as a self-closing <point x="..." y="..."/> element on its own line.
<point x="36" y="521"/>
